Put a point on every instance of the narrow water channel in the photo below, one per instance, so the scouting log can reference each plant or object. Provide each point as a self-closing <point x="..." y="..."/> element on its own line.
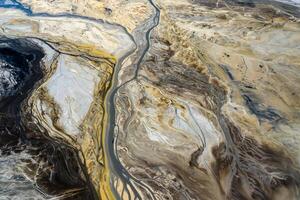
<point x="118" y="172"/>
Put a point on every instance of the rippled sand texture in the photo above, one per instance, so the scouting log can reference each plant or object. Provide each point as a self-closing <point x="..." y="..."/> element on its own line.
<point x="164" y="99"/>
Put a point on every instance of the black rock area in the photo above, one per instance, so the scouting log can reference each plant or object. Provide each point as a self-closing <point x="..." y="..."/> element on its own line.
<point x="20" y="70"/>
<point x="62" y="172"/>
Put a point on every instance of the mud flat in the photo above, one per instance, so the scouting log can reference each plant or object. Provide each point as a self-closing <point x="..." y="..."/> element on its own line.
<point x="62" y="107"/>
<point x="118" y="99"/>
<point x="214" y="110"/>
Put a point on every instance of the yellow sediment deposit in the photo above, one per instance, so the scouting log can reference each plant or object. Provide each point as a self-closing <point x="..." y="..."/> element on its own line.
<point x="211" y="111"/>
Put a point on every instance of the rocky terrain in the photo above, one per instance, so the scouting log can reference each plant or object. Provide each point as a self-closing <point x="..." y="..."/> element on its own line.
<point x="189" y="99"/>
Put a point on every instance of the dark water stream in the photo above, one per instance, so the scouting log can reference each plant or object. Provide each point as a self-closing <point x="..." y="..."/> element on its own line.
<point x="33" y="166"/>
<point x="118" y="171"/>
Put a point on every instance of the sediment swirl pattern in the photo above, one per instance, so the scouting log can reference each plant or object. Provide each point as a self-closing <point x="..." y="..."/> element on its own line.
<point x="149" y="99"/>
